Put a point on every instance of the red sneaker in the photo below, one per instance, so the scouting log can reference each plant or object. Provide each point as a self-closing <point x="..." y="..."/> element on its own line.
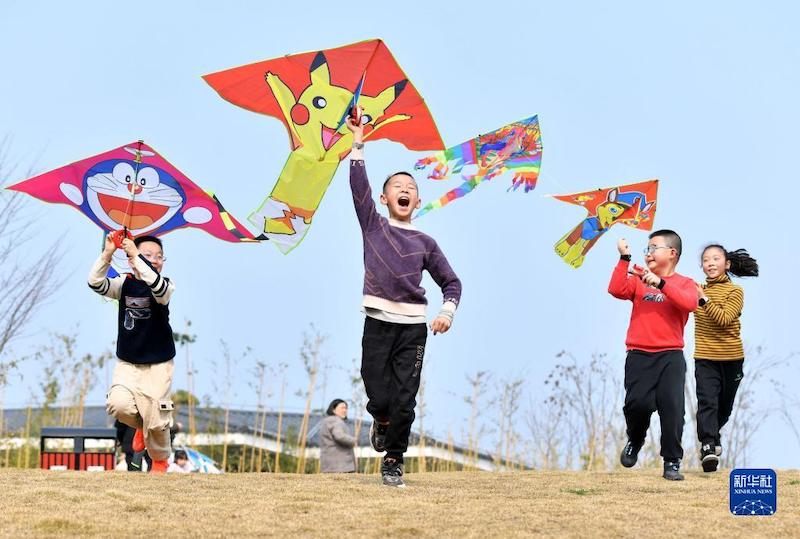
<point x="138" y="441"/>
<point x="160" y="466"/>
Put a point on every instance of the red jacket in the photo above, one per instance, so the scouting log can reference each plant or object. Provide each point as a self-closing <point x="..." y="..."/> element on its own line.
<point x="658" y="316"/>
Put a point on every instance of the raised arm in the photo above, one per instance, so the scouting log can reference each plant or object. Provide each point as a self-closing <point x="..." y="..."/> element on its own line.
<point x="622" y="285"/>
<point x="98" y="275"/>
<point x="161" y="287"/>
<point x="359" y="183"/>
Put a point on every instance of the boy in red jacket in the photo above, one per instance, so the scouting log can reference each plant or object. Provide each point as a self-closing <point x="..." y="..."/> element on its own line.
<point x="655" y="368"/>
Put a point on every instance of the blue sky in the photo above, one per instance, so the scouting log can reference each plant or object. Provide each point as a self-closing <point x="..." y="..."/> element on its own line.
<point x="700" y="95"/>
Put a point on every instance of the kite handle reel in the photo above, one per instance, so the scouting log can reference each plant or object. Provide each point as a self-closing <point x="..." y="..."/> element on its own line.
<point x="119" y="235"/>
<point x="355" y="114"/>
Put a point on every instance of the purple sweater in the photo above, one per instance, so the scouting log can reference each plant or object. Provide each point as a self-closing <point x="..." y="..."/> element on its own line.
<point x="395" y="255"/>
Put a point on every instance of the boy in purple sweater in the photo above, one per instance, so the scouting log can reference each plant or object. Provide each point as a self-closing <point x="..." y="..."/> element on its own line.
<point x="395" y="253"/>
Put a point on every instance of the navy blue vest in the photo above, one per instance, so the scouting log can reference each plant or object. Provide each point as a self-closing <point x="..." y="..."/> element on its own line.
<point x="144" y="334"/>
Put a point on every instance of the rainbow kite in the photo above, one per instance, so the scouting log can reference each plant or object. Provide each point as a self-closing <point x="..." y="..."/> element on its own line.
<point x="516" y="147"/>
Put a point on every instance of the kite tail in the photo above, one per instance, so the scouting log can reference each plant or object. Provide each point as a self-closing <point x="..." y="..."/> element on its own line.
<point x="528" y="179"/>
<point x="440" y="171"/>
<point x="451" y="195"/>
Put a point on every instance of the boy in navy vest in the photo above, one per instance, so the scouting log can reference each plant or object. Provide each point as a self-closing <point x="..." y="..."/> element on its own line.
<point x="395" y="331"/>
<point x="140" y="388"/>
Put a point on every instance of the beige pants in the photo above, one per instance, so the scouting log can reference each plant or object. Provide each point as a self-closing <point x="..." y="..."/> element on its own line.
<point x="140" y="397"/>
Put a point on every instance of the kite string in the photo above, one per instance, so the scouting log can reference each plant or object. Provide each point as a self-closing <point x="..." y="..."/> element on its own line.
<point x="552" y="179"/>
<point x="129" y="207"/>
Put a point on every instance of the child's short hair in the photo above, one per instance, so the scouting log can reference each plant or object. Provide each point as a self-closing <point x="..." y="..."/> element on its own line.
<point x="671" y="238"/>
<point x="392" y="175"/>
<point x="141" y="239"/>
<point x="181" y="454"/>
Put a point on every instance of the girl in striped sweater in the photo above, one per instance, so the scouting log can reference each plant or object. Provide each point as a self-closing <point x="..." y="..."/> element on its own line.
<point x="719" y="353"/>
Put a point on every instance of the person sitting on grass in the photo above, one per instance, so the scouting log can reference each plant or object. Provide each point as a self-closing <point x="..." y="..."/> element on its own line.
<point x="180" y="463"/>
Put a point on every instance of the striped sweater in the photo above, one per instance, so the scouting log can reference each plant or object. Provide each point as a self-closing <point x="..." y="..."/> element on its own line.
<point x="717" y="329"/>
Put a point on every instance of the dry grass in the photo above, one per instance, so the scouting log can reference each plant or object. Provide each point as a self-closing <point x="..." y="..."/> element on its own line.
<point x="466" y="504"/>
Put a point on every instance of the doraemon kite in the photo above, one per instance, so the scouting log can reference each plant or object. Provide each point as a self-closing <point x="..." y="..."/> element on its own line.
<point x="132" y="187"/>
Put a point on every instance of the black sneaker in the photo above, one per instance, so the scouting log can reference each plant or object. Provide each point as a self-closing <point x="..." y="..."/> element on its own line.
<point x="672" y="470"/>
<point x="377" y="436"/>
<point x="392" y="472"/>
<point x="630" y="454"/>
<point x="708" y="457"/>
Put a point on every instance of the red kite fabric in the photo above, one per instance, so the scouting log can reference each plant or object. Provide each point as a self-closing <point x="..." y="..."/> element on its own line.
<point x="311" y="93"/>
<point x="134" y="187"/>
<point x="633" y="205"/>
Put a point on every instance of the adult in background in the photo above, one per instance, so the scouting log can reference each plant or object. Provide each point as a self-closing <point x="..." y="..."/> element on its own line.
<point x="336" y="441"/>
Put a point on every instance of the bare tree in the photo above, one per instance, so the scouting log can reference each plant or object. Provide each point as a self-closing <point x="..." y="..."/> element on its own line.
<point x="478" y="387"/>
<point x="185" y="340"/>
<point x="507" y="406"/>
<point x="310" y="353"/>
<point x="29" y="275"/>
<point x="358" y="398"/>
<point x="67" y="379"/>
<point x="752" y="406"/>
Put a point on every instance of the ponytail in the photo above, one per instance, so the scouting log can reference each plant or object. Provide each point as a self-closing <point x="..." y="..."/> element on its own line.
<point x="742" y="264"/>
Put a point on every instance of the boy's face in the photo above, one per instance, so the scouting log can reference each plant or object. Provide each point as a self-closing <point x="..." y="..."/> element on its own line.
<point x="181" y="462"/>
<point x="714" y="263"/>
<point x="660" y="257"/>
<point x="153" y="253"/>
<point x="401" y="197"/>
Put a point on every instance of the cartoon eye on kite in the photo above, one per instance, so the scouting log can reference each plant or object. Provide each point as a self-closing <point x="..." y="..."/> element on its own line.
<point x="365" y="119"/>
<point x="148" y="177"/>
<point x="319" y="102"/>
<point x="123" y="173"/>
<point x="614" y="210"/>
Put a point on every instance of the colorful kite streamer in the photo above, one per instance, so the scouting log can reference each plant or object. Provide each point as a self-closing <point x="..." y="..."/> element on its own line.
<point x="516" y="147"/>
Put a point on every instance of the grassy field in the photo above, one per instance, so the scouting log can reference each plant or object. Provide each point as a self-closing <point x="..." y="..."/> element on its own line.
<point x="35" y="503"/>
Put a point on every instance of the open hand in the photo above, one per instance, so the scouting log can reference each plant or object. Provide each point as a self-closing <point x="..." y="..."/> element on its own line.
<point x="440" y="325"/>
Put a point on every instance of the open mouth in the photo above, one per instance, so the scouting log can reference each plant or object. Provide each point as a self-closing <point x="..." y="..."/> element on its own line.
<point x="404" y="201"/>
<point x="139" y="215"/>
<point x="329" y="137"/>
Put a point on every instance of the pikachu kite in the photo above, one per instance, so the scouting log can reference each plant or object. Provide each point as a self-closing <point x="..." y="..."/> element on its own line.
<point x="312" y="93"/>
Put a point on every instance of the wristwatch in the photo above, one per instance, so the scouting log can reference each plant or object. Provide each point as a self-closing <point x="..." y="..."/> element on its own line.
<point x="358" y="145"/>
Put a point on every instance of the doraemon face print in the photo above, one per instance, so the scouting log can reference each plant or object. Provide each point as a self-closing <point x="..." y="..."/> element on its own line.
<point x="149" y="195"/>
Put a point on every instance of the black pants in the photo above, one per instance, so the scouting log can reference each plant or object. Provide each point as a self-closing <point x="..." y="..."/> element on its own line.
<point x="717" y="382"/>
<point x="391" y="363"/>
<point x="654" y="382"/>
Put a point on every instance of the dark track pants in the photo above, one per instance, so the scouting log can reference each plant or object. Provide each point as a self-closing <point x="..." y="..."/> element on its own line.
<point x="391" y="364"/>
<point x="717" y="383"/>
<point x="654" y="383"/>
